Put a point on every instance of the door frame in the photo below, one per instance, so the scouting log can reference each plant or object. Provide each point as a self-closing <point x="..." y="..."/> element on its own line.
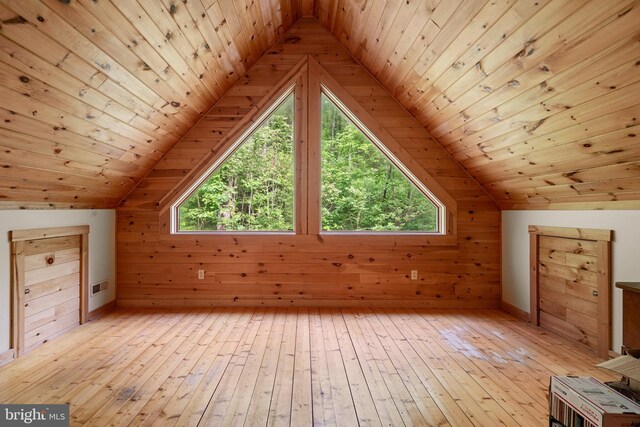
<point x="18" y="239"/>
<point x="603" y="240"/>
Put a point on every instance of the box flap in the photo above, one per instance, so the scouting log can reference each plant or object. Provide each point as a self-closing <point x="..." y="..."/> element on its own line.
<point x="627" y="366"/>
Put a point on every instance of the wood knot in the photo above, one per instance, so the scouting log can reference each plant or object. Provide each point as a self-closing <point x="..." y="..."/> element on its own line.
<point x="292" y="39"/>
<point x="50" y="260"/>
<point x="16" y="20"/>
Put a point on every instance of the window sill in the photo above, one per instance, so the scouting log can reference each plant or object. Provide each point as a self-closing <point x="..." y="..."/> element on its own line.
<point x="341" y="238"/>
<point x="308" y="240"/>
<point x="234" y="233"/>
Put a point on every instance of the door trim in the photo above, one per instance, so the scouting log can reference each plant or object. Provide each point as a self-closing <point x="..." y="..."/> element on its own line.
<point x="603" y="240"/>
<point x="18" y="239"/>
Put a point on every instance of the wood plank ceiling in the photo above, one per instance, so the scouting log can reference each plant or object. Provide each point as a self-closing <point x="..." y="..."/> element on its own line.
<point x="94" y="92"/>
<point x="538" y="99"/>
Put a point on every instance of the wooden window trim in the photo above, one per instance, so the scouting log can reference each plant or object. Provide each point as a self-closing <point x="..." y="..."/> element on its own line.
<point x="283" y="86"/>
<point x="320" y="77"/>
<point x="373" y="139"/>
<point x="309" y="77"/>
<point x="228" y="152"/>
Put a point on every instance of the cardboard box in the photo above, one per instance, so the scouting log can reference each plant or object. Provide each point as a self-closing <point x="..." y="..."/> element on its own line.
<point x="585" y="401"/>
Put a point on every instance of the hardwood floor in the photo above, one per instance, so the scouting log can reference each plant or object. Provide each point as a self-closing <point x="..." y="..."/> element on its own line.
<point x="299" y="367"/>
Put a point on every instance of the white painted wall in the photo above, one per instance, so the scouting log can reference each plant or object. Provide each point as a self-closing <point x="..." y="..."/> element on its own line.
<point x="102" y="252"/>
<point x="625" y="251"/>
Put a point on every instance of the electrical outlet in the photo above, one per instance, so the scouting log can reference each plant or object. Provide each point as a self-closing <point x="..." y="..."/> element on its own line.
<point x="200" y="274"/>
<point x="99" y="287"/>
<point x="414" y="274"/>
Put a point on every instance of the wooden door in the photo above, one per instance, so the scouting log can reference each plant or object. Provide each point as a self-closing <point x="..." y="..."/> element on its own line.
<point x="51" y="288"/>
<point x="570" y="284"/>
<point x="49" y="273"/>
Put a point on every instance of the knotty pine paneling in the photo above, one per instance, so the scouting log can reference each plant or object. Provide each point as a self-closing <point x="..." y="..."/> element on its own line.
<point x="536" y="99"/>
<point x="159" y="269"/>
<point x="94" y="93"/>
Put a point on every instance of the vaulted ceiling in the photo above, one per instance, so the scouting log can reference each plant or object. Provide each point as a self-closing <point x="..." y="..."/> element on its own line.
<point x="537" y="99"/>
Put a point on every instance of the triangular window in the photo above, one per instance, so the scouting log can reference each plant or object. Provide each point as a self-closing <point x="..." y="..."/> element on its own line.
<point x="362" y="185"/>
<point x="251" y="186"/>
<point x="304" y="161"/>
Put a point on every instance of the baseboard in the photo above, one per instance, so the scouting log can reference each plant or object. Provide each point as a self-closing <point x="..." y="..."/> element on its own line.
<point x="301" y="303"/>
<point x="512" y="309"/>
<point x="101" y="311"/>
<point x="7" y="356"/>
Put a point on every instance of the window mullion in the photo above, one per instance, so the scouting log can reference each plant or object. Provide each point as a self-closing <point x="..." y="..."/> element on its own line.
<point x="301" y="152"/>
<point x="313" y="146"/>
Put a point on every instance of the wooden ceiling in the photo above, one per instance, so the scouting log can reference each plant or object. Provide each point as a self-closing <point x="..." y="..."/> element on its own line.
<point x="538" y="99"/>
<point x="94" y="92"/>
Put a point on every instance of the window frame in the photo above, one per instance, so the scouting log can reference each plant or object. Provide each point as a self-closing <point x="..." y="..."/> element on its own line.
<point x="388" y="154"/>
<point x="228" y="152"/>
<point x="306" y="79"/>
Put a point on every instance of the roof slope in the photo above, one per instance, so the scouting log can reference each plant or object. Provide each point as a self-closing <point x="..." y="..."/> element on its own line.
<point x="94" y="93"/>
<point x="537" y="99"/>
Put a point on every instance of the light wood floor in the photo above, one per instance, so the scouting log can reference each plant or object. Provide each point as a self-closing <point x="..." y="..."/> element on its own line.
<point x="260" y="367"/>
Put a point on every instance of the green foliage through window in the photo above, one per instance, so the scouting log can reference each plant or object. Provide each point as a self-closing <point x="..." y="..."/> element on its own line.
<point x="252" y="190"/>
<point x="361" y="189"/>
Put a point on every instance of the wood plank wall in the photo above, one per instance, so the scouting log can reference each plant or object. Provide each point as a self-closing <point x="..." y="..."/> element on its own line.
<point x="158" y="269"/>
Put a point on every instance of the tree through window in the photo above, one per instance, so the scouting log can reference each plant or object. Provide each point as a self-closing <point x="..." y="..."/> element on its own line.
<point x="252" y="188"/>
<point x="361" y="189"/>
